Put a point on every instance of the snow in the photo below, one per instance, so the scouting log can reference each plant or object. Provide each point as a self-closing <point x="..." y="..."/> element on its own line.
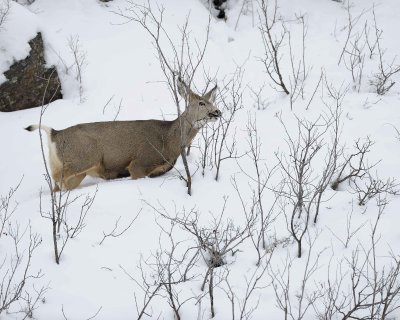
<point x="122" y="65"/>
<point x="15" y="36"/>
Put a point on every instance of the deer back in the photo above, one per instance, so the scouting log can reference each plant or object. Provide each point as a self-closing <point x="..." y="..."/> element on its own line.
<point x="116" y="144"/>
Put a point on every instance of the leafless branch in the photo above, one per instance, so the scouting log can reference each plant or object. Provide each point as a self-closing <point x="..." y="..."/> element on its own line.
<point x="115" y="232"/>
<point x="5" y="7"/>
<point x="272" y="45"/>
<point x="80" y="61"/>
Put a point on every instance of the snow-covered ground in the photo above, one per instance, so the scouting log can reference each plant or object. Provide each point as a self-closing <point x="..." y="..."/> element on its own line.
<point x="122" y="68"/>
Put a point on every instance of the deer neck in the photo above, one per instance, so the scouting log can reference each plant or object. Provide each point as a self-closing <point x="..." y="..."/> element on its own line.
<point x="183" y="129"/>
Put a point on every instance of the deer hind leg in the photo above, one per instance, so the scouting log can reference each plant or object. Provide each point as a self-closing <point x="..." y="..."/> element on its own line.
<point x="58" y="178"/>
<point x="73" y="181"/>
<point x="67" y="179"/>
<point x="160" y="170"/>
<point x="98" y="170"/>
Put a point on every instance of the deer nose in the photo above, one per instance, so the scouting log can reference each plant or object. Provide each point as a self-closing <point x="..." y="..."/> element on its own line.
<point x="215" y="113"/>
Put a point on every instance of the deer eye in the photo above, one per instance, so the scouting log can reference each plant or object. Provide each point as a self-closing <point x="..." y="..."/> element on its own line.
<point x="202" y="104"/>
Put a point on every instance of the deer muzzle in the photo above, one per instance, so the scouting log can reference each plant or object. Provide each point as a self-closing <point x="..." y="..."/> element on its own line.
<point x="215" y="114"/>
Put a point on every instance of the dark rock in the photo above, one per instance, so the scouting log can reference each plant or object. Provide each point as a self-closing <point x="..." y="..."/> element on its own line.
<point x="28" y="80"/>
<point x="219" y="5"/>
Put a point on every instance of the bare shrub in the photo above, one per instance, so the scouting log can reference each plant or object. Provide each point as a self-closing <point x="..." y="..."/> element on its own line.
<point x="214" y="242"/>
<point x="5" y="7"/>
<point x="296" y="302"/>
<point x="365" y="286"/>
<point x="116" y="231"/>
<point x="350" y="231"/>
<point x="163" y="271"/>
<point x="353" y="52"/>
<point x="259" y="100"/>
<point x="357" y="171"/>
<point x="382" y="81"/>
<point x="217" y="240"/>
<point x="294" y="82"/>
<point x="80" y="61"/>
<point x="18" y="293"/>
<point x="117" y="108"/>
<point x="218" y="142"/>
<point x="369" y="187"/>
<point x="272" y="44"/>
<point x="258" y="184"/>
<point x="244" y="305"/>
<point x="354" y="60"/>
<point x="60" y="203"/>
<point x="58" y="215"/>
<point x="358" y="45"/>
<point x="7" y="208"/>
<point x="299" y="71"/>
<point x="303" y="185"/>
<point x="352" y="22"/>
<point x="246" y="9"/>
<point x="355" y="165"/>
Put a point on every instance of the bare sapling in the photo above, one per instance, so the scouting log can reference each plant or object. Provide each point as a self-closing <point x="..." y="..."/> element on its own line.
<point x="215" y="242"/>
<point x="60" y="202"/>
<point x="246" y="9"/>
<point x="179" y="61"/>
<point x="258" y="178"/>
<point x="272" y="44"/>
<point x="335" y="149"/>
<point x="219" y="139"/>
<point x="117" y="231"/>
<point x="260" y="102"/>
<point x="351" y="231"/>
<point x="354" y="60"/>
<point x="5" y="7"/>
<point x="292" y="83"/>
<point x="353" y="52"/>
<point x="303" y="185"/>
<point x="354" y="165"/>
<point x="245" y="305"/>
<point x="18" y="293"/>
<point x="360" y="44"/>
<point x="79" y="63"/>
<point x="382" y="81"/>
<point x="358" y="172"/>
<point x="296" y="300"/>
<point x="370" y="186"/>
<point x="7" y="208"/>
<point x="117" y="108"/>
<point x="374" y="279"/>
<point x="372" y="44"/>
<point x="161" y="273"/>
<point x="352" y="22"/>
<point x="299" y="71"/>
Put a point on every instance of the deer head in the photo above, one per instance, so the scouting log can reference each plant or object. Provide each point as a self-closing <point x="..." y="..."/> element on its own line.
<point x="199" y="109"/>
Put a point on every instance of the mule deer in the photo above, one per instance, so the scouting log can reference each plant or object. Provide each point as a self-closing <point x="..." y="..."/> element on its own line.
<point x="118" y="149"/>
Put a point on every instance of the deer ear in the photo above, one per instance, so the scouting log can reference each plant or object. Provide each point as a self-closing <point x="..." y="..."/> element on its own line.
<point x="211" y="95"/>
<point x="183" y="89"/>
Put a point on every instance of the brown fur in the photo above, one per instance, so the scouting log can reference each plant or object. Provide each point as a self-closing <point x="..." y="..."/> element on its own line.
<point x="140" y="148"/>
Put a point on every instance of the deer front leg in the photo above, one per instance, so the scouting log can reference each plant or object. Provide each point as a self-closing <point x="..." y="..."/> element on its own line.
<point x="136" y="171"/>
